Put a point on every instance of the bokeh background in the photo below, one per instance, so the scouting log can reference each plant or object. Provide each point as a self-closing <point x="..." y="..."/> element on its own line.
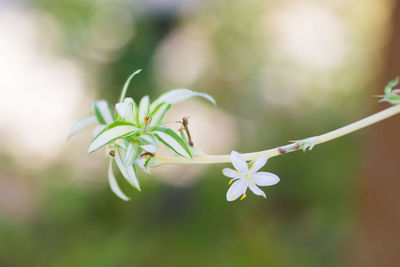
<point x="279" y="70"/>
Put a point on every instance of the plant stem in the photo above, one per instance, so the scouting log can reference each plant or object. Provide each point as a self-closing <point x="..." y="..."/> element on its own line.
<point x="210" y="159"/>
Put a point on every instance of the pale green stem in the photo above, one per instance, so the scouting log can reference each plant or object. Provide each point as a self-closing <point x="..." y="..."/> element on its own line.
<point x="210" y="159"/>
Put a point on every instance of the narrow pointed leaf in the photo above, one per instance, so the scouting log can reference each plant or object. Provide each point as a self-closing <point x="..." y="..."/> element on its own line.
<point x="143" y="109"/>
<point x="178" y="95"/>
<point x="81" y="125"/>
<point x="126" y="85"/>
<point x="98" y="130"/>
<point x="122" y="109"/>
<point x="114" y="185"/>
<point x="103" y="112"/>
<point x="110" y="133"/>
<point x="120" y="144"/>
<point x="149" y="148"/>
<point x="131" y="116"/>
<point x="391" y="84"/>
<point x="141" y="163"/>
<point x="148" y="143"/>
<point x="173" y="141"/>
<point x="127" y="110"/>
<point x="128" y="172"/>
<point x="132" y="173"/>
<point x="158" y="114"/>
<point x="183" y="136"/>
<point x="145" y="139"/>
<point x="130" y="154"/>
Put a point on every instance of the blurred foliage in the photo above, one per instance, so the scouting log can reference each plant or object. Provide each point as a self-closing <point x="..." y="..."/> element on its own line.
<point x="303" y="222"/>
<point x="306" y="218"/>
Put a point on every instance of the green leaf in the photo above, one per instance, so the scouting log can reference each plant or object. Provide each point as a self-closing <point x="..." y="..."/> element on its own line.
<point x="98" y="129"/>
<point x="151" y="162"/>
<point x="392" y="99"/>
<point x="132" y="115"/>
<point x="172" y="141"/>
<point x="128" y="171"/>
<point x="178" y="95"/>
<point x="146" y="139"/>
<point x="183" y="136"/>
<point x="126" y="85"/>
<point x="193" y="150"/>
<point x="127" y="110"/>
<point x="158" y="114"/>
<point x="143" y="109"/>
<point x="103" y="112"/>
<point x="391" y="96"/>
<point x="114" y="185"/>
<point x="145" y="163"/>
<point x="81" y="125"/>
<point x="307" y="143"/>
<point x="149" y="148"/>
<point x="131" y="154"/>
<point x="147" y="142"/>
<point x="391" y="84"/>
<point x="113" y="131"/>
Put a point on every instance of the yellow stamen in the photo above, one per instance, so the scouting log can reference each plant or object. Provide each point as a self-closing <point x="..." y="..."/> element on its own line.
<point x="253" y="183"/>
<point x="248" y="176"/>
<point x="146" y="119"/>
<point x="252" y="167"/>
<point x="233" y="195"/>
<point x="230" y="181"/>
<point x="243" y="197"/>
<point x="237" y="172"/>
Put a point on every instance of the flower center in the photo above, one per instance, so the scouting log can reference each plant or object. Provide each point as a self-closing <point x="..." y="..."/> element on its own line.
<point x="247" y="176"/>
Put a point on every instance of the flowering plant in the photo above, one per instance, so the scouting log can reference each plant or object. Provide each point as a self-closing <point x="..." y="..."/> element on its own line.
<point x="132" y="132"/>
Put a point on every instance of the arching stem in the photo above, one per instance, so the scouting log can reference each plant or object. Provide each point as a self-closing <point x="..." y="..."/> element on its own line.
<point x="212" y="159"/>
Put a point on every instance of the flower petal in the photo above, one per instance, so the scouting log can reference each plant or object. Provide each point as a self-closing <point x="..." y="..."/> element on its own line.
<point x="238" y="162"/>
<point x="257" y="191"/>
<point x="265" y="178"/>
<point x="237" y="189"/>
<point x="230" y="173"/>
<point x="258" y="164"/>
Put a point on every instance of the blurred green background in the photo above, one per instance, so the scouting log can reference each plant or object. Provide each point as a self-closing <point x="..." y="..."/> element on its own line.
<point x="279" y="70"/>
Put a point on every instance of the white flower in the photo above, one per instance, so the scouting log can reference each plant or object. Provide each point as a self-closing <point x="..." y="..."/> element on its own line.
<point x="244" y="177"/>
